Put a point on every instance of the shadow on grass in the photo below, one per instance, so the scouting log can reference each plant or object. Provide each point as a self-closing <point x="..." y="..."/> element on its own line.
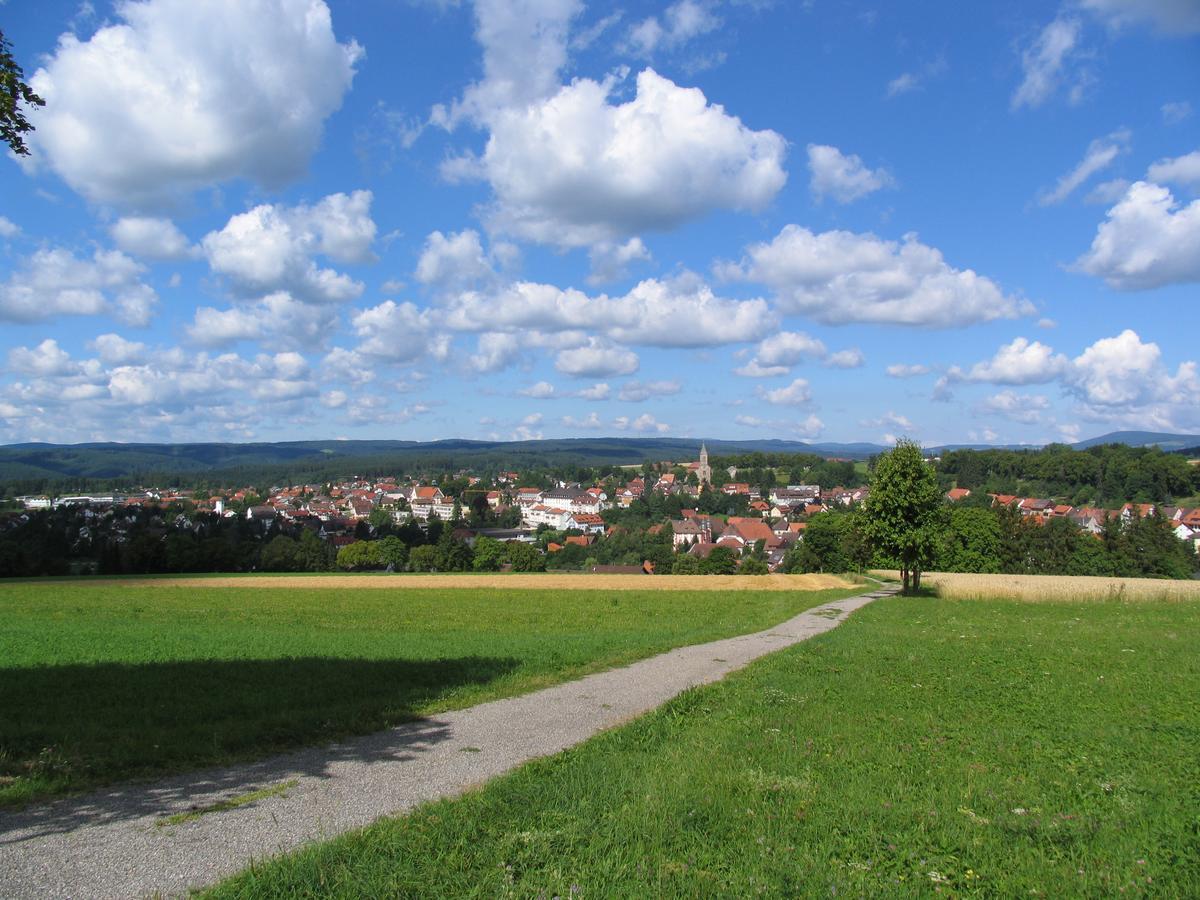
<point x="69" y="728"/>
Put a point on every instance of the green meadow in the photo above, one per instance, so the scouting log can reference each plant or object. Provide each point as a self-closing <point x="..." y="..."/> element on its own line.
<point x="103" y="681"/>
<point x="923" y="747"/>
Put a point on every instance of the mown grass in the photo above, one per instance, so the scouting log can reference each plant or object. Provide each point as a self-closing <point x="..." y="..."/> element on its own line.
<point x="925" y="746"/>
<point x="101" y="681"/>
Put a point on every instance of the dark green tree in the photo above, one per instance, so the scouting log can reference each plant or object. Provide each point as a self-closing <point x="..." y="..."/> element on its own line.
<point x="13" y="92"/>
<point x="904" y="510"/>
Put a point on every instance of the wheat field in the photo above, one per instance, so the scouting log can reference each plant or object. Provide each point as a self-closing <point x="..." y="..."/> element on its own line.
<point x="550" y="581"/>
<point x="1052" y="588"/>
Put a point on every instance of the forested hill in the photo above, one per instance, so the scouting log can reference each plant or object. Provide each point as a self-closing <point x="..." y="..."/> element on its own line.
<point x="48" y="465"/>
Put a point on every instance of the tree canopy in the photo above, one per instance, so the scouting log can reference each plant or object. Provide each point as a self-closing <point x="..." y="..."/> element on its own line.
<point x="13" y="92"/>
<point x="904" y="510"/>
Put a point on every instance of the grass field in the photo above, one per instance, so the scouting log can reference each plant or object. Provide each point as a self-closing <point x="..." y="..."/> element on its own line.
<point x="101" y="681"/>
<point x="1054" y="588"/>
<point x="926" y="746"/>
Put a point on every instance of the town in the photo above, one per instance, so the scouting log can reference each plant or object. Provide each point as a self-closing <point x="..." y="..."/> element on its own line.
<point x="657" y="518"/>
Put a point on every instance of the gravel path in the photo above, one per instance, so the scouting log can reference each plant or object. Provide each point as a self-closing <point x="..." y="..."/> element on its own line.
<point x="117" y="842"/>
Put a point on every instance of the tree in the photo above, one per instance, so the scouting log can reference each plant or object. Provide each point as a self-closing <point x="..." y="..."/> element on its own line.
<point x="423" y="558"/>
<point x="720" y="561"/>
<point x="904" y="510"/>
<point x="524" y="557"/>
<point x="754" y="566"/>
<point x="488" y="553"/>
<point x="13" y="92"/>
<point x="685" y="564"/>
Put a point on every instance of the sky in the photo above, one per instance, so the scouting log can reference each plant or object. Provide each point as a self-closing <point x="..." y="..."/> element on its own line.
<point x="421" y="219"/>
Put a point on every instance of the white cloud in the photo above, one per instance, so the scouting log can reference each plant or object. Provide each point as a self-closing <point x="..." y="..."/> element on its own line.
<point x="680" y="312"/>
<point x="1147" y="241"/>
<point x="151" y="238"/>
<point x="349" y="366"/>
<point x="577" y="170"/>
<point x="115" y="350"/>
<point x="839" y="277"/>
<point x="1176" y="17"/>
<point x="1020" y="362"/>
<point x="58" y="283"/>
<point x="610" y="261"/>
<point x="891" y="420"/>
<point x="904" y="370"/>
<point x="599" y="391"/>
<point x="1176" y="111"/>
<point x="1024" y="408"/>
<point x="591" y="422"/>
<point x="637" y="391"/>
<point x="543" y="390"/>
<point x="902" y="84"/>
<point x="1108" y="192"/>
<point x="8" y="228"/>
<point x="1043" y="63"/>
<point x="680" y="23"/>
<point x="1182" y="170"/>
<point x="1101" y="153"/>
<point x="495" y="351"/>
<point x="778" y="353"/>
<point x="532" y="419"/>
<point x="596" y="359"/>
<point x="795" y="394"/>
<point x="47" y="358"/>
<point x="277" y="321"/>
<point x="524" y="49"/>
<point x="455" y="262"/>
<point x="271" y="247"/>
<point x="844" y="178"/>
<point x="643" y="423"/>
<point x="179" y="95"/>
<point x="851" y="358"/>
<point x="399" y="333"/>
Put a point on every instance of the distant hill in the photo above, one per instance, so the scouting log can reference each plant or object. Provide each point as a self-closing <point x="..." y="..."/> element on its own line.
<point x="1143" y="439"/>
<point x="61" y="463"/>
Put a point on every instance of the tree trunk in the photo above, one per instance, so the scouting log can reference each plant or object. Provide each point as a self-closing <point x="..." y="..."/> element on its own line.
<point x="916" y="580"/>
<point x="904" y="576"/>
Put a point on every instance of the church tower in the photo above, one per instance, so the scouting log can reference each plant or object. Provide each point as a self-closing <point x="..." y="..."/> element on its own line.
<point x="704" y="470"/>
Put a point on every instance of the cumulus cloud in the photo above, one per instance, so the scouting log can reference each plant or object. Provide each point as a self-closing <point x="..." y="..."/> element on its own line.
<point x="1182" y="170"/>
<point x="151" y="238"/>
<point x="116" y="350"/>
<point x="591" y="422"/>
<point x="839" y="277"/>
<point x="596" y="359"/>
<point x="598" y="391"/>
<point x="1101" y="153"/>
<point x="8" y="228"/>
<point x="778" y="353"/>
<point x="843" y="178"/>
<point x="851" y="358"/>
<point x="542" y="390"/>
<point x="272" y="247"/>
<point x="610" y="261"/>
<point x="1045" y="64"/>
<point x="637" y="391"/>
<point x="1024" y="408"/>
<point x="1020" y="362"/>
<point x="178" y="95"/>
<point x="55" y="282"/>
<point x="399" y="333"/>
<point x="495" y="351"/>
<point x="1148" y="240"/>
<point x="680" y="22"/>
<point x="797" y="393"/>
<point x="679" y="312"/>
<point x="277" y="321"/>
<point x="643" y="423"/>
<point x="454" y="262"/>
<point x="577" y="169"/>
<point x="891" y="420"/>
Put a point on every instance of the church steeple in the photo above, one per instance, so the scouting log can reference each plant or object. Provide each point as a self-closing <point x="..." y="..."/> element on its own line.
<point x="704" y="470"/>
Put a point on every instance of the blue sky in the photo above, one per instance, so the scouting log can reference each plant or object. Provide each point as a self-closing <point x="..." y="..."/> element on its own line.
<point x="286" y="219"/>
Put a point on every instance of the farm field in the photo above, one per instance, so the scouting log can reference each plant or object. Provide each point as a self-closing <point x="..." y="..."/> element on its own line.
<point x="981" y="748"/>
<point x="108" y="680"/>
<point x="1053" y="588"/>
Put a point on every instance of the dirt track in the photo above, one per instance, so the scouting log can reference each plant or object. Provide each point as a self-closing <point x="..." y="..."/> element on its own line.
<point x="532" y="582"/>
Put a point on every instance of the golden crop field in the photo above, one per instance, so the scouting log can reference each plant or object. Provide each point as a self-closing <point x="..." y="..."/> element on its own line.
<point x="550" y="581"/>
<point x="1051" y="588"/>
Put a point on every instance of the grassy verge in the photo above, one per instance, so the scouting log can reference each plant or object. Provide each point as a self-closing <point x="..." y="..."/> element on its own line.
<point x="101" y="682"/>
<point x="926" y="746"/>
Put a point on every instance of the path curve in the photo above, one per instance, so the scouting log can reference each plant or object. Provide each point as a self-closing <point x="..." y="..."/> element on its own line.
<point x="116" y="843"/>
